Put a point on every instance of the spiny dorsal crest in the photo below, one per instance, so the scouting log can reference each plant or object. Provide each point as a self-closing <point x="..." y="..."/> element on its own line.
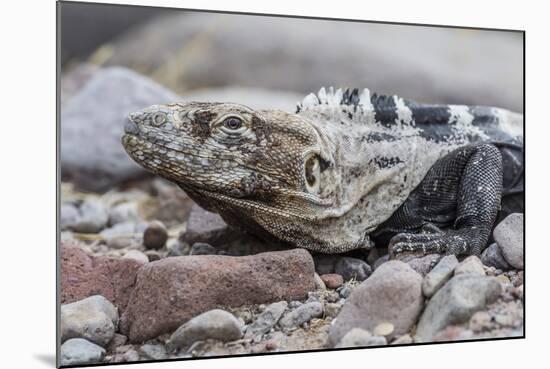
<point x="337" y="98"/>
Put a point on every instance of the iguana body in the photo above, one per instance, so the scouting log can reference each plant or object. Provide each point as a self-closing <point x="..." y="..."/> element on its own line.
<point x="347" y="167"/>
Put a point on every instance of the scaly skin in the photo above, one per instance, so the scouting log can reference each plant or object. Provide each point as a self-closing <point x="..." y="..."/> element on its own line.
<point x="345" y="167"/>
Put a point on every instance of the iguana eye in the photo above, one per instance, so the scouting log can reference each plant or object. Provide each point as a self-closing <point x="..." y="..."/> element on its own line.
<point x="233" y="123"/>
<point x="313" y="174"/>
<point x="159" y="118"/>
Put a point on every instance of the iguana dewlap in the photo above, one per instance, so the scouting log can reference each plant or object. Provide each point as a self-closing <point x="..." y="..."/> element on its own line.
<point x="346" y="167"/>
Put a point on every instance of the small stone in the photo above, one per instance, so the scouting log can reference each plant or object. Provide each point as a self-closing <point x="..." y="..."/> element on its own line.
<point x="120" y="235"/>
<point x="358" y="337"/>
<point x="332" y="281"/>
<point x="126" y="212"/>
<point x="381" y="260"/>
<point x="78" y="351"/>
<point x="207" y="227"/>
<point x="137" y="255"/>
<point x="301" y="315"/>
<point x="471" y="265"/>
<point x="453" y="333"/>
<point x="94" y="318"/>
<point x="319" y="284"/>
<point x="332" y="309"/>
<point x="271" y="345"/>
<point x="439" y="275"/>
<point x="178" y="248"/>
<point x="266" y="320"/>
<point x="155" y="235"/>
<point x="345" y="291"/>
<point x="200" y="248"/>
<point x="455" y="303"/>
<point x="405" y="339"/>
<point x="423" y="265"/>
<point x="505" y="320"/>
<point x="117" y="340"/>
<point x="508" y="234"/>
<point x="492" y="256"/>
<point x="519" y="292"/>
<point x="352" y="268"/>
<point x="153" y="255"/>
<point x="480" y="321"/>
<point x="332" y="296"/>
<point x="505" y="281"/>
<point x="214" y="324"/>
<point x="92" y="217"/>
<point x="294" y="304"/>
<point x="153" y="352"/>
<point x="383" y="329"/>
<point x="130" y="356"/>
<point x="69" y="216"/>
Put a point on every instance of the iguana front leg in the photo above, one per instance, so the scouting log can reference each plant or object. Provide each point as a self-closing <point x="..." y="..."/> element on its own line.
<point x="460" y="193"/>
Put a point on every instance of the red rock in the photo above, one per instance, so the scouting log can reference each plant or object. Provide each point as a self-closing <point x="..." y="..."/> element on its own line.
<point x="84" y="275"/>
<point x="171" y="291"/>
<point x="332" y="280"/>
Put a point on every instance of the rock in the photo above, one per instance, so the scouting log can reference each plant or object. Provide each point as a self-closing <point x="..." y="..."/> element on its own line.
<point x="456" y="302"/>
<point x="200" y="248"/>
<point x="117" y="341"/>
<point x="178" y="248"/>
<point x="92" y="123"/>
<point x="508" y="235"/>
<point x="319" y="284"/>
<point x="405" y="339"/>
<point x="124" y="213"/>
<point x="480" y="321"/>
<point x="471" y="265"/>
<point x="492" y="256"/>
<point x="345" y="291"/>
<point x="301" y="315"/>
<point x="136" y="255"/>
<point x="392" y="294"/>
<point x="358" y="337"/>
<point x="383" y="329"/>
<point x="453" y="333"/>
<point x="266" y="320"/>
<point x="78" y="351"/>
<point x="172" y="206"/>
<point x="130" y="356"/>
<point x="381" y="260"/>
<point x="153" y="352"/>
<point x="176" y="289"/>
<point x="91" y="217"/>
<point x="214" y="324"/>
<point x="423" y="265"/>
<point x="332" y="309"/>
<point x="155" y="236"/>
<point x="206" y="227"/>
<point x="121" y="235"/>
<point x="324" y="264"/>
<point x="352" y="268"/>
<point x="439" y="275"/>
<point x="94" y="318"/>
<point x="83" y="275"/>
<point x="332" y="281"/>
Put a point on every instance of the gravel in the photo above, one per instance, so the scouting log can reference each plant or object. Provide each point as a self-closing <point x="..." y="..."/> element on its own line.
<point x="301" y="315"/>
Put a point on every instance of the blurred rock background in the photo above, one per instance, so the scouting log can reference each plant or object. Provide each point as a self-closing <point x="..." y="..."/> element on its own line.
<point x="116" y="59"/>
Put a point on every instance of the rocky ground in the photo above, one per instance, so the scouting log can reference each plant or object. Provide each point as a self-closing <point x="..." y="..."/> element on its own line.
<point x="147" y="275"/>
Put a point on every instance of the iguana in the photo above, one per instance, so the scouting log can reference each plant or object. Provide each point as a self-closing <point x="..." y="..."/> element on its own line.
<point x="347" y="169"/>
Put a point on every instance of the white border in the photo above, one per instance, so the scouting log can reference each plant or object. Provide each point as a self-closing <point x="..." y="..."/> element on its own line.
<point x="28" y="182"/>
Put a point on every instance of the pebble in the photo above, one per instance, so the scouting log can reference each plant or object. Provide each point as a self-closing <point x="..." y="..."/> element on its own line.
<point x="352" y="268"/>
<point x="153" y="255"/>
<point x="153" y="351"/>
<point x="94" y="318"/>
<point x="92" y="217"/>
<point x="130" y="356"/>
<point x="392" y="294"/>
<point x="178" y="248"/>
<point x="381" y="260"/>
<point x="455" y="303"/>
<point x="294" y="304"/>
<point x="124" y="213"/>
<point x="345" y="291"/>
<point x="508" y="235"/>
<point x="117" y="340"/>
<point x="301" y="315"/>
<point x="383" y="329"/>
<point x="266" y="320"/>
<point x="453" y="333"/>
<point x="423" y="265"/>
<point x="358" y="337"/>
<point x="492" y="256"/>
<point x="471" y="265"/>
<point x="136" y="255"/>
<point x="155" y="235"/>
<point x="439" y="275"/>
<point x="214" y="324"/>
<point x="120" y="235"/>
<point x="78" y="351"/>
<point x="332" y="309"/>
<point x="332" y="281"/>
<point x="69" y="216"/>
<point x="200" y="248"/>
<point x="480" y="321"/>
<point x="405" y="339"/>
<point x="319" y="284"/>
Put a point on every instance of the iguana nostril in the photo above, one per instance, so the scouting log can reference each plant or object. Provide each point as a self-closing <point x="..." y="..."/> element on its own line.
<point x="130" y="127"/>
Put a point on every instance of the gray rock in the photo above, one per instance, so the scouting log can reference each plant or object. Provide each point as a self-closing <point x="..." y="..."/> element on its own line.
<point x="508" y="235"/>
<point x="455" y="303"/>
<point x="153" y="352"/>
<point x="439" y="275"/>
<point x="130" y="356"/>
<point x="492" y="257"/>
<point x="92" y="123"/>
<point x="301" y="315"/>
<point x="381" y="260"/>
<point x="121" y="235"/>
<point x="136" y="255"/>
<point x="352" y="268"/>
<point x="392" y="294"/>
<point x="344" y="291"/>
<point x="94" y="318"/>
<point x="471" y="265"/>
<point x="206" y="227"/>
<point x="125" y="212"/>
<point x="405" y="339"/>
<point x="332" y="309"/>
<point x="92" y="217"/>
<point x="69" y="216"/>
<point x="214" y="324"/>
<point x="424" y="264"/>
<point x="200" y="248"/>
<point x="178" y="248"/>
<point x="266" y="320"/>
<point x="78" y="351"/>
<point x="358" y="337"/>
<point x="155" y="235"/>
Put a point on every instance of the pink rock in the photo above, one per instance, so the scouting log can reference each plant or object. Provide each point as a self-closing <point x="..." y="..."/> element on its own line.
<point x="171" y="291"/>
<point x="332" y="280"/>
<point x="84" y="275"/>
